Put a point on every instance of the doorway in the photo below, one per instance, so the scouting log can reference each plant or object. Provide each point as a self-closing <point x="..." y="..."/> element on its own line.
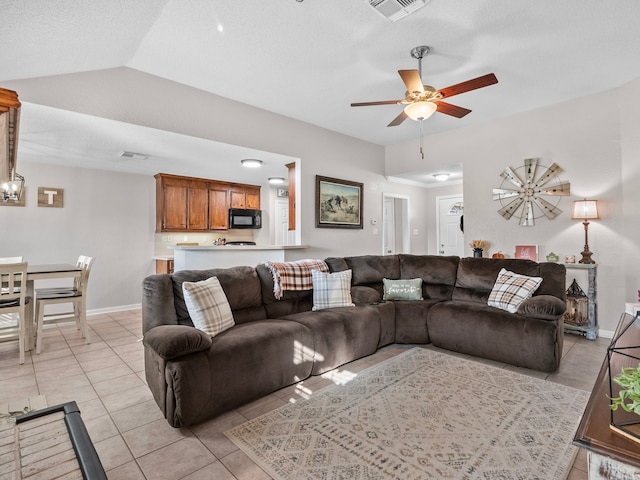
<point x="395" y="224"/>
<point x="450" y="221"/>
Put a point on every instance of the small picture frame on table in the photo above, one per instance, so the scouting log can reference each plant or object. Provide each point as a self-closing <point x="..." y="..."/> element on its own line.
<point x="527" y="252"/>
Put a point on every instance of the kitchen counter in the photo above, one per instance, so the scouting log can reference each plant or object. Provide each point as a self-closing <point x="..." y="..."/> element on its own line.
<point x="203" y="257"/>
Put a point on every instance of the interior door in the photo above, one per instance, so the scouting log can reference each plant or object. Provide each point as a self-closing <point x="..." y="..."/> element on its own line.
<point x="281" y="220"/>
<point x="450" y="212"/>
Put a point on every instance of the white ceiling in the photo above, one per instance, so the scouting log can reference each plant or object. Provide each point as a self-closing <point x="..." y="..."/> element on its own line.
<point x="309" y="60"/>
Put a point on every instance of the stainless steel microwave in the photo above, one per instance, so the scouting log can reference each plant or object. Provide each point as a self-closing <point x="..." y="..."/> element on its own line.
<point x="245" y="218"/>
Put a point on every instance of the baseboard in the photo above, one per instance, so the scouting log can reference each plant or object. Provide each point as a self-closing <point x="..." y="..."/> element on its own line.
<point x="605" y="333"/>
<point x="119" y="308"/>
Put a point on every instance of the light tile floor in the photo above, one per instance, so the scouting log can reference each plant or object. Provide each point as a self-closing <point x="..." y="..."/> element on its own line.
<point x="134" y="441"/>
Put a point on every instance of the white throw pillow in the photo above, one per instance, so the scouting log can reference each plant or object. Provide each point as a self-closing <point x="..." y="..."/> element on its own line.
<point x="331" y="289"/>
<point x="511" y="289"/>
<point x="208" y="306"/>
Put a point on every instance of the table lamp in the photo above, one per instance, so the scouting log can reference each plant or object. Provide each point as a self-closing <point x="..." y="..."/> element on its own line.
<point x="585" y="210"/>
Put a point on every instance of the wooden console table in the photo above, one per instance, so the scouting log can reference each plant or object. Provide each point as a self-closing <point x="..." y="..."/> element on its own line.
<point x="611" y="456"/>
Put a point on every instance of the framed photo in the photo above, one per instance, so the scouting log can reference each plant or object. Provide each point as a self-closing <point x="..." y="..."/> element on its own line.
<point x="527" y="252"/>
<point x="338" y="203"/>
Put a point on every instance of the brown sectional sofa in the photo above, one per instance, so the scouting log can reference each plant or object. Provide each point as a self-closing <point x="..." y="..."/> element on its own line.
<point x="276" y="343"/>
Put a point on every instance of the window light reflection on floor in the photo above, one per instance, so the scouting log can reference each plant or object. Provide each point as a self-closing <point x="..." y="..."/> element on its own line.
<point x="340" y="377"/>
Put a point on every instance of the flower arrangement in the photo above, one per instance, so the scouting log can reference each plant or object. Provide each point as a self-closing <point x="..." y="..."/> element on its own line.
<point x="481" y="244"/>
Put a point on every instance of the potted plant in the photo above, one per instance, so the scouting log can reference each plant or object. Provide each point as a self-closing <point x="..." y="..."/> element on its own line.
<point x="478" y="246"/>
<point x="629" y="395"/>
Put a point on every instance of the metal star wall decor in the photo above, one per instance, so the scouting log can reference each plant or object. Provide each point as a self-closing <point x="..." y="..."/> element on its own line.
<point x="525" y="201"/>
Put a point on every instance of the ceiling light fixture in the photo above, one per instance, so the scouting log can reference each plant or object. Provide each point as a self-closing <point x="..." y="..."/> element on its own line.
<point x="13" y="189"/>
<point x="251" y="162"/>
<point x="420" y="110"/>
<point x="276" y="180"/>
<point x="441" y="177"/>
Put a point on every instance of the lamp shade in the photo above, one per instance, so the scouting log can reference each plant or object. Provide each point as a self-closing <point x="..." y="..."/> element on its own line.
<point x="420" y="110"/>
<point x="585" y="210"/>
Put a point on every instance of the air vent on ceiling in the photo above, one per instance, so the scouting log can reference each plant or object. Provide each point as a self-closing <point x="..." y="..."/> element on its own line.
<point x="134" y="155"/>
<point x="394" y="10"/>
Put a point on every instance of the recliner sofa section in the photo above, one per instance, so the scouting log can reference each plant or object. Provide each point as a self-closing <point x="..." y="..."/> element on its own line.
<point x="276" y="343"/>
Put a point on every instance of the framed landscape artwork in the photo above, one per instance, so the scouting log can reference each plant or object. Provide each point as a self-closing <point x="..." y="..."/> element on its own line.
<point x="338" y="203"/>
<point x="527" y="252"/>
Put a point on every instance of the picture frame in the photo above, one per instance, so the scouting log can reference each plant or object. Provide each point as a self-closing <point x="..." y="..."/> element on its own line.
<point x="338" y="203"/>
<point x="282" y="192"/>
<point x="527" y="252"/>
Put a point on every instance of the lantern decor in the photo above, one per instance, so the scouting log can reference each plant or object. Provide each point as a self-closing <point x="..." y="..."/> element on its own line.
<point x="623" y="355"/>
<point x="577" y="306"/>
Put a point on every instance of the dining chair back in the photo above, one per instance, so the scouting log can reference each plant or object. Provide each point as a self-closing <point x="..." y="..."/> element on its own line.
<point x="76" y="296"/>
<point x="13" y="300"/>
<point x="11" y="260"/>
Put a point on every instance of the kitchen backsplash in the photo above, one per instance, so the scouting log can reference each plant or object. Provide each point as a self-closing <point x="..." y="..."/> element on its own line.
<point x="165" y="240"/>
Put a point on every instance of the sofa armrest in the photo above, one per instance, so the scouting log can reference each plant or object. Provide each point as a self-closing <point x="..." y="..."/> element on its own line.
<point x="171" y="341"/>
<point x="365" y="295"/>
<point x="546" y="307"/>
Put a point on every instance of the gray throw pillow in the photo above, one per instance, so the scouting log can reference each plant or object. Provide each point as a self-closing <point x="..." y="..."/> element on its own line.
<point x="404" y="289"/>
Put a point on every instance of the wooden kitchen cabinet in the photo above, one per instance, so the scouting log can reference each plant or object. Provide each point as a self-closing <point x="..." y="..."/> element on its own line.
<point x="219" y="207"/>
<point x="245" y="197"/>
<point x="164" y="265"/>
<point x="189" y="204"/>
<point x="292" y="194"/>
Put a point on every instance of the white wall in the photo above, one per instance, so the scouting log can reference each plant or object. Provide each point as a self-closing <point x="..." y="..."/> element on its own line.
<point x="106" y="215"/>
<point x="583" y="137"/>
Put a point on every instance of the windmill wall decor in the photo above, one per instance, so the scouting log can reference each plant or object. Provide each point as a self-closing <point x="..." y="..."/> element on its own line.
<point x="521" y="191"/>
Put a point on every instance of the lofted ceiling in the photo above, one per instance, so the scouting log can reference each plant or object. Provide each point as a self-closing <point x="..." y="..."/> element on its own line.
<point x="310" y="59"/>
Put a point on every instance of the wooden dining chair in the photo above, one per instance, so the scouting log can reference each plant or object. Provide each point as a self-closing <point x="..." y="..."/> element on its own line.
<point x="13" y="300"/>
<point x="75" y="295"/>
<point x="11" y="260"/>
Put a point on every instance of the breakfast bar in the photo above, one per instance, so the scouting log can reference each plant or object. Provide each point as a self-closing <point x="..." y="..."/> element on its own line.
<point x="226" y="256"/>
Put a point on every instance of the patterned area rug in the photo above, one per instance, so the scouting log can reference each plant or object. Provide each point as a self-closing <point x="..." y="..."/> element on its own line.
<point x="421" y="415"/>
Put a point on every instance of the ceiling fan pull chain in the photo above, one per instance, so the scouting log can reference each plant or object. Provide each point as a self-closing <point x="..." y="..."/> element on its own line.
<point x="421" y="140"/>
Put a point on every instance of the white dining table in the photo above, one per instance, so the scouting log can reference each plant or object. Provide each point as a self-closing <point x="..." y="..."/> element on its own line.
<point x="44" y="272"/>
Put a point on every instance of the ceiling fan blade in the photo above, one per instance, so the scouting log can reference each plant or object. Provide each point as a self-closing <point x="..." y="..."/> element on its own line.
<point x="412" y="80"/>
<point x="453" y="110"/>
<point x="473" y="84"/>
<point x="383" y="102"/>
<point x="398" y="120"/>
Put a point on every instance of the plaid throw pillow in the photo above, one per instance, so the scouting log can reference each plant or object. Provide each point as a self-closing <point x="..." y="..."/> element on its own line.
<point x="511" y="289"/>
<point x="331" y="289"/>
<point x="208" y="306"/>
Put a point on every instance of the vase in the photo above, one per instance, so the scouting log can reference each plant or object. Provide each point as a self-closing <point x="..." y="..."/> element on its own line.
<point x="477" y="252"/>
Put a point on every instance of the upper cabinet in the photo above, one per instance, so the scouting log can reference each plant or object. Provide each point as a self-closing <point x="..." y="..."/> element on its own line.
<point x="188" y="204"/>
<point x="245" y="196"/>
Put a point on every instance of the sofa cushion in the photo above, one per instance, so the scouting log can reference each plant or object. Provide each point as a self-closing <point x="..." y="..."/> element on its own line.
<point x="368" y="269"/>
<point x="240" y="285"/>
<point x="340" y="335"/>
<point x="208" y="306"/>
<point x="438" y="273"/>
<point x="331" y="290"/>
<point x="511" y="289"/>
<point x="403" y="289"/>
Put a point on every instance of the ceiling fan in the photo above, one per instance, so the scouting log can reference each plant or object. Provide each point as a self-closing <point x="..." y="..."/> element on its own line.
<point x="423" y="100"/>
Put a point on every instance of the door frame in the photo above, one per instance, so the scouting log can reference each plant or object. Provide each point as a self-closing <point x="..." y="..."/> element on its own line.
<point x="439" y="198"/>
<point x="405" y="225"/>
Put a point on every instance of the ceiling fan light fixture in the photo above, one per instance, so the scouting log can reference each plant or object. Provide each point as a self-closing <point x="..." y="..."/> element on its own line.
<point x="251" y="162"/>
<point x="420" y="110"/>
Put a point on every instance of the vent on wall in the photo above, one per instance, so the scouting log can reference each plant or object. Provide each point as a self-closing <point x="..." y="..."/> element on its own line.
<point x="394" y="10"/>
